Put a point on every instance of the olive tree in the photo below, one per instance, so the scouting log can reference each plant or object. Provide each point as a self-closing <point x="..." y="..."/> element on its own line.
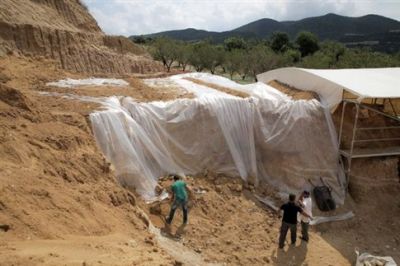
<point x="307" y="42"/>
<point x="164" y="50"/>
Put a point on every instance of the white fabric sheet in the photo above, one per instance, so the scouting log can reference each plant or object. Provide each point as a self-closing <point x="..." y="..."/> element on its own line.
<point x="71" y="83"/>
<point x="266" y="139"/>
<point x="329" y="83"/>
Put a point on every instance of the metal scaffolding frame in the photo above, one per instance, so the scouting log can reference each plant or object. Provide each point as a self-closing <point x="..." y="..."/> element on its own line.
<point x="351" y="153"/>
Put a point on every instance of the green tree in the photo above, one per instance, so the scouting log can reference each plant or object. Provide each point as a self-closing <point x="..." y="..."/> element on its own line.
<point x="139" y="39"/>
<point x="334" y="50"/>
<point x="235" y="43"/>
<point x="164" y="50"/>
<point x="261" y="59"/>
<point x="365" y="58"/>
<point x="206" y="56"/>
<point x="233" y="61"/>
<point x="279" y="41"/>
<point x="327" y="57"/>
<point x="183" y="54"/>
<point x="317" y="60"/>
<point x="307" y="42"/>
<point x="291" y="56"/>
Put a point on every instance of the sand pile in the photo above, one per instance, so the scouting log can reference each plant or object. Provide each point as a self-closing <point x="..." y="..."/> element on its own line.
<point x="296" y="94"/>
<point x="57" y="193"/>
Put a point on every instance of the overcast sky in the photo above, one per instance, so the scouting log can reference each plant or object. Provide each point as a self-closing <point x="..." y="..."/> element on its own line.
<point x="134" y="17"/>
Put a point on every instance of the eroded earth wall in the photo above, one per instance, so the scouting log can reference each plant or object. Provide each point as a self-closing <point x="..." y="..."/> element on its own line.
<point x="64" y="30"/>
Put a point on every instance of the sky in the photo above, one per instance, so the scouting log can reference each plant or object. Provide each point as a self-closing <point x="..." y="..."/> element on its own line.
<point x="135" y="17"/>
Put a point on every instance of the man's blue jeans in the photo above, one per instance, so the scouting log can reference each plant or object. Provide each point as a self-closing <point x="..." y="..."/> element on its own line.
<point x="176" y="204"/>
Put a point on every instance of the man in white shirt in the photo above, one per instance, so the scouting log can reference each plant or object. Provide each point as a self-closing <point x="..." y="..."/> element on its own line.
<point x="305" y="203"/>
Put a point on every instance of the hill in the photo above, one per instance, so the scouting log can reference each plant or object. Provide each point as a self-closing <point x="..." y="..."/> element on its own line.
<point x="65" y="32"/>
<point x="379" y="32"/>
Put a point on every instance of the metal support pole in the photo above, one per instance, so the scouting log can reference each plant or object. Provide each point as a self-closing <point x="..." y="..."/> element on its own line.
<point x="341" y="123"/>
<point x="352" y="143"/>
<point x="394" y="110"/>
<point x="374" y="110"/>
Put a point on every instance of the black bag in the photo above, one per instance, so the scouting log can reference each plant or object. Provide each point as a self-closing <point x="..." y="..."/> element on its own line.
<point x="323" y="197"/>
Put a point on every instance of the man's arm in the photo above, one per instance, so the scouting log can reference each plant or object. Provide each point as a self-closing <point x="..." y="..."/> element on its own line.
<point x="172" y="195"/>
<point x="189" y="191"/>
<point x="305" y="214"/>
<point x="280" y="211"/>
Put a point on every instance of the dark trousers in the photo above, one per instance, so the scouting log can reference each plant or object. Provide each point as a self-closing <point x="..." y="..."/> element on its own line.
<point x="175" y="205"/>
<point x="304" y="230"/>
<point x="284" y="229"/>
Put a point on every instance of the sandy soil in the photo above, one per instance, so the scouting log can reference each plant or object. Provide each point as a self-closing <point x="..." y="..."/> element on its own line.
<point x="228" y="225"/>
<point x="56" y="188"/>
<point x="113" y="249"/>
<point x="296" y="94"/>
<point x="64" y="205"/>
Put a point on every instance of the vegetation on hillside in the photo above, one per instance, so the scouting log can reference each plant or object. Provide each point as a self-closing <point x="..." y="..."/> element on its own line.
<point x="247" y="58"/>
<point x="378" y="32"/>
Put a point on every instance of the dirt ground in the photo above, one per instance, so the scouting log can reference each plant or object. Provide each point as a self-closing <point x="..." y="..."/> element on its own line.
<point x="56" y="188"/>
<point x="228" y="225"/>
<point x="65" y="207"/>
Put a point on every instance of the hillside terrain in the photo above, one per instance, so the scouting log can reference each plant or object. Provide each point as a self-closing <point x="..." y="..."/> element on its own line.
<point x="61" y="202"/>
<point x="66" y="32"/>
<point x="379" y="32"/>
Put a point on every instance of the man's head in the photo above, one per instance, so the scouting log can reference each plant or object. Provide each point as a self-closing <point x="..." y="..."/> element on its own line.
<point x="292" y="197"/>
<point x="306" y="193"/>
<point x="176" y="178"/>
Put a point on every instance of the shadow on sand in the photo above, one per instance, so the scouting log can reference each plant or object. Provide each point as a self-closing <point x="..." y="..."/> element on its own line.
<point x="293" y="255"/>
<point x="166" y="231"/>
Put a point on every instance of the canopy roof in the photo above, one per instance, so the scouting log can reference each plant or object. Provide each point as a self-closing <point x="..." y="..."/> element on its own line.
<point x="329" y="83"/>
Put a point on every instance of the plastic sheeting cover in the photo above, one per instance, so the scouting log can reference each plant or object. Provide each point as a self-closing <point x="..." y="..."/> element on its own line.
<point x="329" y="83"/>
<point x="71" y="83"/>
<point x="368" y="259"/>
<point x="264" y="139"/>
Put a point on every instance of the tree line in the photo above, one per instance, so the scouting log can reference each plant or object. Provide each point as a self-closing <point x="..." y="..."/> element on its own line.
<point x="247" y="58"/>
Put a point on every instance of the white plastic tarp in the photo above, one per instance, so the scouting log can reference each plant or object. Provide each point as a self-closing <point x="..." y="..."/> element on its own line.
<point x="266" y="139"/>
<point x="329" y="83"/>
<point x="71" y="83"/>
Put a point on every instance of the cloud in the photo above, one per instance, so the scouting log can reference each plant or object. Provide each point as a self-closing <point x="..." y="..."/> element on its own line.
<point x="132" y="17"/>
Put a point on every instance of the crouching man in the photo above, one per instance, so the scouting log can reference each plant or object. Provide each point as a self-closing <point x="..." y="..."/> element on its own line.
<point x="289" y="220"/>
<point x="179" y="199"/>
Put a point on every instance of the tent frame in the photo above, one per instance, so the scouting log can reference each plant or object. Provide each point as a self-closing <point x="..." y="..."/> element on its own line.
<point x="350" y="154"/>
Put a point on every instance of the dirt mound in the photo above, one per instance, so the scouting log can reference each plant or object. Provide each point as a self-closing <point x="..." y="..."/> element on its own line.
<point x="13" y="97"/>
<point x="58" y="194"/>
<point x="296" y="94"/>
<point x="65" y="31"/>
<point x="227" y="225"/>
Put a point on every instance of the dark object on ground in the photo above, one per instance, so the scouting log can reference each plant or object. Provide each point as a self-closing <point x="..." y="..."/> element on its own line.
<point x="323" y="197"/>
<point x="4" y="227"/>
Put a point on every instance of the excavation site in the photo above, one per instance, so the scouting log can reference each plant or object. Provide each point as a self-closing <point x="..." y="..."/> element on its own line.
<point x="111" y="156"/>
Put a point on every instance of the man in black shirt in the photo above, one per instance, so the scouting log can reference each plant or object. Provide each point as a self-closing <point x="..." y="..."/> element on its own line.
<point x="289" y="220"/>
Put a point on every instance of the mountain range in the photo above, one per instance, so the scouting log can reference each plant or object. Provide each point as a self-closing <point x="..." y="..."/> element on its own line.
<point x="380" y="33"/>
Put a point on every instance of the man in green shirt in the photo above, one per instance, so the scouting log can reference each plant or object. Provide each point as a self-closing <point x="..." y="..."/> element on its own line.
<point x="179" y="199"/>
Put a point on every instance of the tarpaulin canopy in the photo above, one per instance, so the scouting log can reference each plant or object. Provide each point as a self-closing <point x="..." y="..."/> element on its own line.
<point x="330" y="83"/>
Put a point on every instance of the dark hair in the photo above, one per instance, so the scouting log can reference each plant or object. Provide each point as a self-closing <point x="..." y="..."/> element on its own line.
<point x="176" y="178"/>
<point x="292" y="197"/>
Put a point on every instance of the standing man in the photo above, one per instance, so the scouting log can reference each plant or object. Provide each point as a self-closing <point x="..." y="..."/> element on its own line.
<point x="305" y="203"/>
<point x="289" y="220"/>
<point x="179" y="199"/>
